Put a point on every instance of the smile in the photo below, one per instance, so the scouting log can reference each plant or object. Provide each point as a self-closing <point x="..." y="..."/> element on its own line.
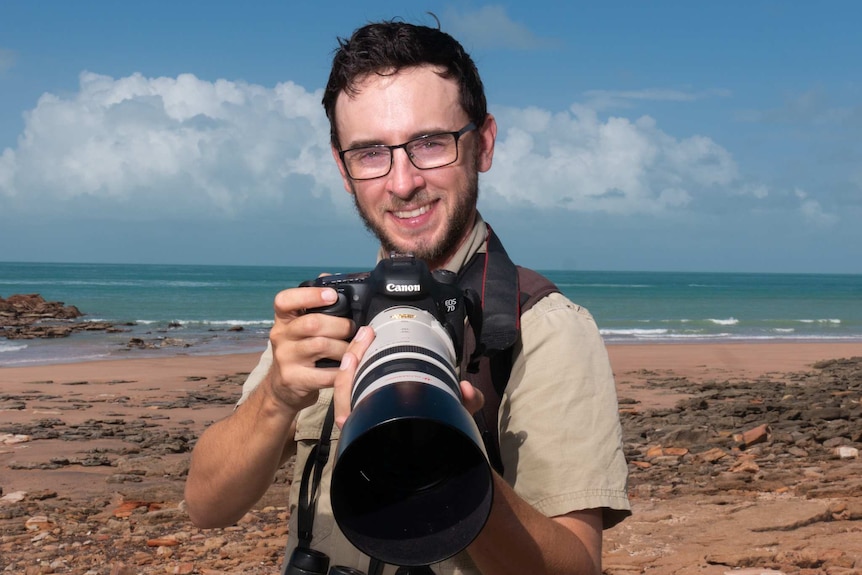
<point x="412" y="213"/>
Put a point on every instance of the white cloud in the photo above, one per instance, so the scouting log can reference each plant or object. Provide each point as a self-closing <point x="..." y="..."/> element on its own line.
<point x="150" y="148"/>
<point x="172" y="144"/>
<point x="490" y="27"/>
<point x="812" y="211"/>
<point x="576" y="161"/>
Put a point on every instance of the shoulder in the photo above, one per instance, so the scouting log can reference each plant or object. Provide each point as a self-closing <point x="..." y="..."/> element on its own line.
<point x="543" y="302"/>
<point x="559" y="332"/>
<point x="556" y="304"/>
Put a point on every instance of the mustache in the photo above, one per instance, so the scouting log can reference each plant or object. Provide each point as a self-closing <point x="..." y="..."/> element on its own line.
<point x="420" y="198"/>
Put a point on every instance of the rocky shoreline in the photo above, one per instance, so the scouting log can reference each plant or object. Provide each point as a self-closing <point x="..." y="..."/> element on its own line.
<point x="772" y="464"/>
<point x="739" y="435"/>
<point x="742" y="475"/>
<point x="29" y="316"/>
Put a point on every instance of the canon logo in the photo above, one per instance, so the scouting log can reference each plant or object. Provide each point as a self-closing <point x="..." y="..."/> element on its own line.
<point x="398" y="288"/>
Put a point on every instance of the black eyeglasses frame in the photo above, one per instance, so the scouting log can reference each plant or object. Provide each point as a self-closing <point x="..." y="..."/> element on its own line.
<point x="456" y="134"/>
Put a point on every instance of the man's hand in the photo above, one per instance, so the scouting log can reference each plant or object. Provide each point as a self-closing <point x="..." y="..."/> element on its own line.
<point x="299" y="340"/>
<point x="257" y="437"/>
<point x="346" y="372"/>
<point x="471" y="397"/>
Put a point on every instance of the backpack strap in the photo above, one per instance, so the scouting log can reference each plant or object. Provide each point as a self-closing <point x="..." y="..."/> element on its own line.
<point x="506" y="292"/>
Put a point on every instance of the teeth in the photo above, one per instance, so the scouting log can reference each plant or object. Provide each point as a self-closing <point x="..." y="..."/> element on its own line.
<point x="412" y="213"/>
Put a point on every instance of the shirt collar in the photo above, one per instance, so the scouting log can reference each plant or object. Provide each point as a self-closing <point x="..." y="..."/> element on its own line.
<point x="475" y="243"/>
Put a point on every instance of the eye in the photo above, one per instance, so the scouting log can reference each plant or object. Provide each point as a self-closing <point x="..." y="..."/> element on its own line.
<point x="431" y="143"/>
<point x="369" y="155"/>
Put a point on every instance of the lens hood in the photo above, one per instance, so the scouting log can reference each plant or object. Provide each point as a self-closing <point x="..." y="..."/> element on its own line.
<point x="411" y="483"/>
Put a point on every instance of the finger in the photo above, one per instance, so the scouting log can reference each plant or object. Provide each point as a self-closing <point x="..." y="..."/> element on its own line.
<point x="347" y="371"/>
<point x="330" y="344"/>
<point x="292" y="302"/>
<point x="472" y="397"/>
<point x="305" y="383"/>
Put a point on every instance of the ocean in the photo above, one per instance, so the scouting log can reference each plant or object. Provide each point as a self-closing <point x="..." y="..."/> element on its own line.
<point x="207" y="310"/>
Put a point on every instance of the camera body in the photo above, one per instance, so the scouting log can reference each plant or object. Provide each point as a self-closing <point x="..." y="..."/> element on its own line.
<point x="401" y="280"/>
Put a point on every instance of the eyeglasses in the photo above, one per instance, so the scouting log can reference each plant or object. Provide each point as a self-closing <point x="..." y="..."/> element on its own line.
<point x="425" y="152"/>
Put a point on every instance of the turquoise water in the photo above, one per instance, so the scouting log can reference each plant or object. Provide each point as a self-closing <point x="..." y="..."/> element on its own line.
<point x="199" y="305"/>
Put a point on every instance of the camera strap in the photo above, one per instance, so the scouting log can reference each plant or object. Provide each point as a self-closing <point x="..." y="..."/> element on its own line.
<point x="311" y="476"/>
<point x="495" y="278"/>
<point x="309" y="488"/>
<point x="506" y="291"/>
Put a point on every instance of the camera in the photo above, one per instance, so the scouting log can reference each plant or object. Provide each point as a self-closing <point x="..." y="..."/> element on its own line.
<point x="411" y="483"/>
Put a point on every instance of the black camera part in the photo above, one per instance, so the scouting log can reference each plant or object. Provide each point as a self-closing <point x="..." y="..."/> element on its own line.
<point x="304" y="561"/>
<point x="343" y="570"/>
<point x="411" y="484"/>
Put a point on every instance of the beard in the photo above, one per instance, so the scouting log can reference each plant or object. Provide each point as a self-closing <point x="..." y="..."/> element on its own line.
<point x="434" y="254"/>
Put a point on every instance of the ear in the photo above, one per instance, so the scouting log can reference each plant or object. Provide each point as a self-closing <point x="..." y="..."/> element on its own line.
<point x="345" y="180"/>
<point x="487" y="137"/>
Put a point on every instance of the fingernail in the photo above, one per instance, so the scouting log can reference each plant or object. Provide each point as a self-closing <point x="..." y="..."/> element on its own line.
<point x="329" y="295"/>
<point x="361" y="333"/>
<point x="346" y="361"/>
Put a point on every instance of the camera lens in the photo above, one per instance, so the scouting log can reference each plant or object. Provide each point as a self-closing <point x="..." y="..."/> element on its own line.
<point x="408" y="343"/>
<point x="411" y="483"/>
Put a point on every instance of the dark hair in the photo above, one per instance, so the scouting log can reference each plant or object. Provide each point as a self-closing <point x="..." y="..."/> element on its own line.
<point x="386" y="47"/>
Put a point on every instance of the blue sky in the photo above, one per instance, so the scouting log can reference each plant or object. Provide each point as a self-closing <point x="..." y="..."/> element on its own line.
<point x="688" y="136"/>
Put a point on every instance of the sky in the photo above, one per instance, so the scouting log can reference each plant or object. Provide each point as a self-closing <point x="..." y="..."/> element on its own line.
<point x="642" y="136"/>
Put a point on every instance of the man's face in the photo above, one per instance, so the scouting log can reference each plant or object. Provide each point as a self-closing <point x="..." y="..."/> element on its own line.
<point x="425" y="212"/>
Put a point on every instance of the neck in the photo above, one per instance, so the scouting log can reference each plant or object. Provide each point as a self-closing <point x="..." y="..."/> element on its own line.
<point x="445" y="260"/>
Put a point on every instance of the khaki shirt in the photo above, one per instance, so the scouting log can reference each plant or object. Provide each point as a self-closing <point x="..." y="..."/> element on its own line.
<point x="559" y="428"/>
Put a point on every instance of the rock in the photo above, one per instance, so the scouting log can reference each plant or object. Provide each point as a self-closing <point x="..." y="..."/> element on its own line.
<point x="162" y="542"/>
<point x="713" y="455"/>
<point x="29" y="316"/>
<point x="39" y="523"/>
<point x="754" y="571"/>
<point x="745" y="465"/>
<point x="14" y="497"/>
<point x="846" y="452"/>
<point x="13" y="439"/>
<point x="753" y="436"/>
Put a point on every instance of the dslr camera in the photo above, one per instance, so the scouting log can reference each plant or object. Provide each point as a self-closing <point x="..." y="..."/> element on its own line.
<point x="411" y="483"/>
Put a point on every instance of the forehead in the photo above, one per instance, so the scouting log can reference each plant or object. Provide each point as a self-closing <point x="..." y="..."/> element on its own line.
<point x="398" y="106"/>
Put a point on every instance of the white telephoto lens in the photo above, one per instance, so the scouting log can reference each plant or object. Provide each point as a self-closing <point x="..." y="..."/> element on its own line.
<point x="409" y="345"/>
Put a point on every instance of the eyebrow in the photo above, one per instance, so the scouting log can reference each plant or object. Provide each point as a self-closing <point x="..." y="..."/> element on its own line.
<point x="378" y="142"/>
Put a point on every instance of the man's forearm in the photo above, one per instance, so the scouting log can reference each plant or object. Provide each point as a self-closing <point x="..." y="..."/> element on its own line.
<point x="235" y="461"/>
<point x="518" y="539"/>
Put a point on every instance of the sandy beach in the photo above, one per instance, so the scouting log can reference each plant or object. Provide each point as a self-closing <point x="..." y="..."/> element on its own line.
<point x="141" y="417"/>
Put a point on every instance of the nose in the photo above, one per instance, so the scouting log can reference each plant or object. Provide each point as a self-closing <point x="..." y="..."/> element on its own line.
<point x="404" y="178"/>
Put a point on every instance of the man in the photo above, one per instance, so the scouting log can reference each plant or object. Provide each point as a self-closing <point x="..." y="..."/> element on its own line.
<point x="410" y="134"/>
